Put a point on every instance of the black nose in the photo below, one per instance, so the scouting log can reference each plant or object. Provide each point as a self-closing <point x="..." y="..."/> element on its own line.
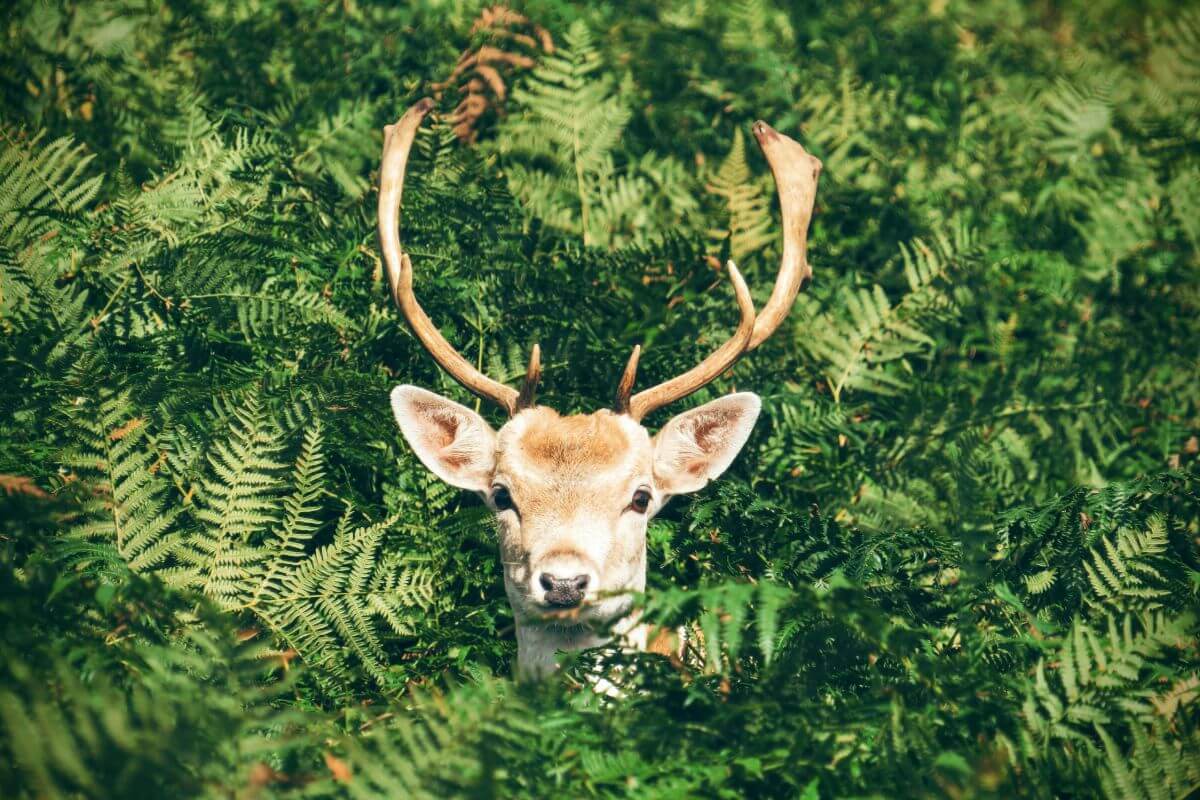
<point x="563" y="592"/>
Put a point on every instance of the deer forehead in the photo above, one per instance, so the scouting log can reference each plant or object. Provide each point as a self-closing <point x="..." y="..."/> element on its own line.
<point x="540" y="450"/>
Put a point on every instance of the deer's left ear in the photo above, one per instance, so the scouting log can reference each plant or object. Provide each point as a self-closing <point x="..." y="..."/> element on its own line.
<point x="698" y="445"/>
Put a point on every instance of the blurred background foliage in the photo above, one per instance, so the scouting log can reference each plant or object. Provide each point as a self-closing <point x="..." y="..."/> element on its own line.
<point x="958" y="557"/>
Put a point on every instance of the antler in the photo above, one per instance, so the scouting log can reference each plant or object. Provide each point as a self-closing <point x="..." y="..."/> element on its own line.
<point x="795" y="173"/>
<point x="397" y="142"/>
<point x="703" y="373"/>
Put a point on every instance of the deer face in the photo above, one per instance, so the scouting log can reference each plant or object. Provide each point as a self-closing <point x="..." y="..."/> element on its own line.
<point x="572" y="495"/>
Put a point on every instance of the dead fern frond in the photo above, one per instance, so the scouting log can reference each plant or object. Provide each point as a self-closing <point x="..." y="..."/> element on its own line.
<point x="20" y="484"/>
<point x="508" y="43"/>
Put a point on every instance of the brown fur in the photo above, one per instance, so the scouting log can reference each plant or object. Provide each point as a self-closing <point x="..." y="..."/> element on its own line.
<point x="663" y="641"/>
<point x="592" y="440"/>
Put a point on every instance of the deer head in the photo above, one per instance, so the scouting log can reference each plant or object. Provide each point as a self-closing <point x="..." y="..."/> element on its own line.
<point x="572" y="495"/>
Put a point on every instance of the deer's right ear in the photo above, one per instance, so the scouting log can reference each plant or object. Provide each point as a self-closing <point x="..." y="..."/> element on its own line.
<point x="454" y="442"/>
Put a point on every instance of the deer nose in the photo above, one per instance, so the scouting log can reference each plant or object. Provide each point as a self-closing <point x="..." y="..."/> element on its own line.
<point x="563" y="592"/>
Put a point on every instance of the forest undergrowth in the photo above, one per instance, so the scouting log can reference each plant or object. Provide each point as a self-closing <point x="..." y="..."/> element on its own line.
<point x="959" y="557"/>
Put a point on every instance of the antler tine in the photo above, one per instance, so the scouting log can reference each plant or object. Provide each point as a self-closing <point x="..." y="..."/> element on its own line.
<point x="533" y="374"/>
<point x="796" y="173"/>
<point x="397" y="142"/>
<point x="703" y="373"/>
<point x="628" y="378"/>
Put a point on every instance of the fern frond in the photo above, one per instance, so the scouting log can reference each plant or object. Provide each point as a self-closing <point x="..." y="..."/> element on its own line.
<point x="432" y="750"/>
<point x="332" y="597"/>
<point x="129" y="509"/>
<point x="1103" y="678"/>
<point x="237" y="504"/>
<point x="747" y="205"/>
<point x="289" y="542"/>
<point x="861" y="345"/>
<point x="1125" y="571"/>
<point x="561" y="152"/>
<point x="40" y="181"/>
<point x="1159" y="766"/>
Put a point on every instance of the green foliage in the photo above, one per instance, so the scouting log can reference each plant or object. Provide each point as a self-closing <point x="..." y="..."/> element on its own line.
<point x="746" y="203"/>
<point x="874" y="333"/>
<point x="443" y="746"/>
<point x="126" y="522"/>
<point x="155" y="706"/>
<point x="1130" y="572"/>
<point x="1103" y="676"/>
<point x="561" y="154"/>
<point x="942" y="566"/>
<point x="1156" y="767"/>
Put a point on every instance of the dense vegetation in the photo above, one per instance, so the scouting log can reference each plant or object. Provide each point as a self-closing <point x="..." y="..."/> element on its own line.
<point x="960" y="555"/>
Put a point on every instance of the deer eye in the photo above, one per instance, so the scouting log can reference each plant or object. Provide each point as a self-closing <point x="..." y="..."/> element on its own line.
<point x="640" y="501"/>
<point x="502" y="499"/>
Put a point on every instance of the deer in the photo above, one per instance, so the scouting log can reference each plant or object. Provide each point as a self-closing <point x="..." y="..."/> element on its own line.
<point x="572" y="495"/>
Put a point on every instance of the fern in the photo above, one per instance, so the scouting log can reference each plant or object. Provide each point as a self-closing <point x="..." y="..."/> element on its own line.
<point x="1156" y="767"/>
<point x="936" y="568"/>
<point x="68" y="736"/>
<point x="1122" y="570"/>
<point x="332" y="598"/>
<point x="1040" y="582"/>
<point x="1173" y="56"/>
<point x="750" y="225"/>
<point x="574" y="122"/>
<point x="723" y="615"/>
<point x="40" y="181"/>
<point x="860" y="343"/>
<point x="848" y="121"/>
<point x="238" y="504"/>
<point x="441" y="749"/>
<point x="275" y="313"/>
<point x="127" y="518"/>
<point x="44" y="188"/>
<point x="561" y="152"/>
<point x="335" y="147"/>
<point x="289" y="542"/>
<point x="1101" y="678"/>
<point x="755" y="26"/>
<point x="1077" y="120"/>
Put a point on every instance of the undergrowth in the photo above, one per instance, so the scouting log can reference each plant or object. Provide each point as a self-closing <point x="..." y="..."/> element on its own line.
<point x="959" y="556"/>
